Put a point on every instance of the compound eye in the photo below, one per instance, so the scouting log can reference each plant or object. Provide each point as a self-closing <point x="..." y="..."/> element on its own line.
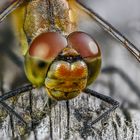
<point x="47" y="45"/>
<point x="89" y="50"/>
<point x="84" y="44"/>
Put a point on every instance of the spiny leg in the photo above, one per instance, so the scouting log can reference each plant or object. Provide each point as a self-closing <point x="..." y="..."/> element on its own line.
<point x="8" y="108"/>
<point x="16" y="92"/>
<point x="105" y="98"/>
<point x="12" y="112"/>
<point x="5" y="48"/>
<point x="13" y="93"/>
<point x="11" y="5"/>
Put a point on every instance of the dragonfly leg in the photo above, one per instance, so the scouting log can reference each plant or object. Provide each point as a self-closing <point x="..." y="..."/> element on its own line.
<point x="12" y="112"/>
<point x="11" y="6"/>
<point x="105" y="98"/>
<point x="13" y="93"/>
<point x="16" y="92"/>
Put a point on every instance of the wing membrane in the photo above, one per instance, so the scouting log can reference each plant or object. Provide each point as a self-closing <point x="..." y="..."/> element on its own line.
<point x="7" y="6"/>
<point x="111" y="30"/>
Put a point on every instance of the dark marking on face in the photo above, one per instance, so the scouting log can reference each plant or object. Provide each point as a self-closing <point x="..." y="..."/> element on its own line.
<point x="41" y="64"/>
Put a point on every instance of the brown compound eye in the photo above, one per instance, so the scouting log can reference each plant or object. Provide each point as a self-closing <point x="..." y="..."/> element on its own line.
<point x="89" y="50"/>
<point x="47" y="45"/>
<point x="42" y="51"/>
<point x="84" y="44"/>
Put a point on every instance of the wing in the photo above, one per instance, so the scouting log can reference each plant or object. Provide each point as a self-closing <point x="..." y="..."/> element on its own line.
<point x="107" y="27"/>
<point x="7" y="6"/>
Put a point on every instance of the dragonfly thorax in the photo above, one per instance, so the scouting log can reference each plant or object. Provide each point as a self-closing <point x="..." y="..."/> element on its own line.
<point x="38" y="16"/>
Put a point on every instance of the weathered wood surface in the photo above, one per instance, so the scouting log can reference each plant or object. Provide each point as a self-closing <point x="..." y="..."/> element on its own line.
<point x="72" y="119"/>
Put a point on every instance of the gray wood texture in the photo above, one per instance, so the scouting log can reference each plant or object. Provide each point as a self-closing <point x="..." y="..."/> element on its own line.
<point x="72" y="119"/>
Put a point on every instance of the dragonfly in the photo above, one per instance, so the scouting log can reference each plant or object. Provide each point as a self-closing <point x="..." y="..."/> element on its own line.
<point x="57" y="56"/>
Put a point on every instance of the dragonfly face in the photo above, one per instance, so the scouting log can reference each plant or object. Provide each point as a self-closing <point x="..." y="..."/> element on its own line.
<point x="57" y="57"/>
<point x="63" y="65"/>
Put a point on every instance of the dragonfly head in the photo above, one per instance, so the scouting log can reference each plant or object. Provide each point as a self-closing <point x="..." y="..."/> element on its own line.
<point x="64" y="65"/>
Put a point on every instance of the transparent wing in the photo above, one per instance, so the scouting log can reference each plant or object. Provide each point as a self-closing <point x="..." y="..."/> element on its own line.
<point x="7" y="6"/>
<point x="111" y="30"/>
